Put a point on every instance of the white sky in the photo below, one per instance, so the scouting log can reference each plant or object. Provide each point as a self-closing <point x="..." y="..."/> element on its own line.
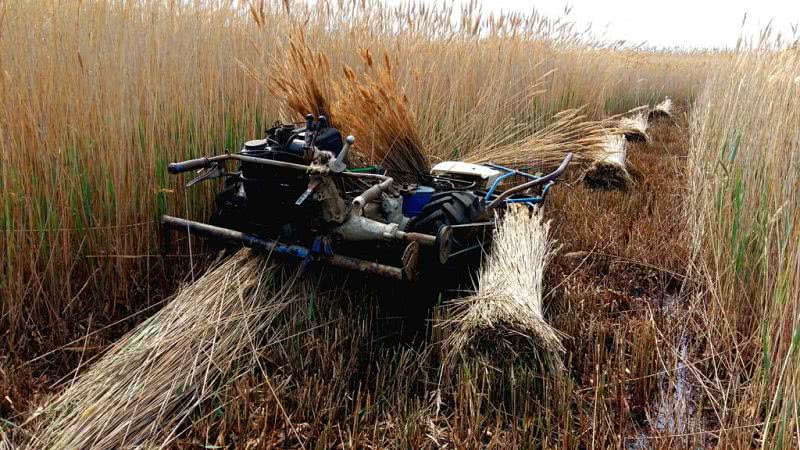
<point x="666" y="23"/>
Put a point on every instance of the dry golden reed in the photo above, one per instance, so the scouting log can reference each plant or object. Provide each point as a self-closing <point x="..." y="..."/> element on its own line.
<point x="569" y="132"/>
<point x="504" y="320"/>
<point x="372" y="106"/>
<point x="375" y="109"/>
<point x="303" y="80"/>
<point x="151" y="382"/>
<point x="96" y="98"/>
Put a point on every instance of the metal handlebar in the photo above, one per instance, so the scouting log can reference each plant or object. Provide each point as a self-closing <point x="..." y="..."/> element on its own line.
<point x="187" y="166"/>
<point x="200" y="163"/>
<point x="525" y="186"/>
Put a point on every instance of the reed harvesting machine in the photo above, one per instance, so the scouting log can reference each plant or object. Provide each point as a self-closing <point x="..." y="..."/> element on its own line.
<point x="293" y="194"/>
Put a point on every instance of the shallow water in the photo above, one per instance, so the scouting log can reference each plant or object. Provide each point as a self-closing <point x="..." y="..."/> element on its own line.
<point x="674" y="413"/>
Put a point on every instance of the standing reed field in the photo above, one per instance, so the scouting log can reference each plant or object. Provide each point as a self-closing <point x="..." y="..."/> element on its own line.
<point x="97" y="97"/>
<point x="745" y="192"/>
<point x="672" y="305"/>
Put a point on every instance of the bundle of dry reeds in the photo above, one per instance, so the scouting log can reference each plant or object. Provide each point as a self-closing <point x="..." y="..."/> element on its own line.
<point x="503" y="320"/>
<point x="569" y="132"/>
<point x="609" y="171"/>
<point x="150" y="383"/>
<point x="374" y="109"/>
<point x="634" y="128"/>
<point x="661" y="110"/>
<point x="303" y="81"/>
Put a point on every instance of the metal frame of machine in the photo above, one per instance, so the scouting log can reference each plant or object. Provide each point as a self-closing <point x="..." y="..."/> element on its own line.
<point x="350" y="206"/>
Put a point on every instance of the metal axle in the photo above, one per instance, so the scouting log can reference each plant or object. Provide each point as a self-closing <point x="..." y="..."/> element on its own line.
<point x="255" y="242"/>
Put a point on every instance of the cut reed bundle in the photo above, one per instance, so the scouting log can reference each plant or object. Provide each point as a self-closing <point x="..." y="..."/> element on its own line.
<point x="634" y="128"/>
<point x="569" y="131"/>
<point x="503" y="320"/>
<point x="376" y="110"/>
<point x="303" y="81"/>
<point x="151" y="382"/>
<point x="372" y="107"/>
<point x="609" y="171"/>
<point x="661" y="110"/>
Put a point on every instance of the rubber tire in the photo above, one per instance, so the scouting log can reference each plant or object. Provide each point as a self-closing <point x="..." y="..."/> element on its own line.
<point x="441" y="282"/>
<point x="449" y="208"/>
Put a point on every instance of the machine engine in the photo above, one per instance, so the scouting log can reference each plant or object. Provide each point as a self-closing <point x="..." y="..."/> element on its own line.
<point x="293" y="193"/>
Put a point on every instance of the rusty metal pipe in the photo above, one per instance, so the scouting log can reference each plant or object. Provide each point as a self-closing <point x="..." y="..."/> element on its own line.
<point x="360" y="265"/>
<point x="255" y="242"/>
<point x="205" y="161"/>
<point x="424" y="239"/>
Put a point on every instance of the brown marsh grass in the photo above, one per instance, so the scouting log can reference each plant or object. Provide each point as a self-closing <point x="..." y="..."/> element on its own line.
<point x="688" y="279"/>
<point x="745" y="176"/>
<point x="96" y="98"/>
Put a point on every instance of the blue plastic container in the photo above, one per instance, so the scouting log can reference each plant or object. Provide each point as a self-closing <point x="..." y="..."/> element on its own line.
<point x="413" y="204"/>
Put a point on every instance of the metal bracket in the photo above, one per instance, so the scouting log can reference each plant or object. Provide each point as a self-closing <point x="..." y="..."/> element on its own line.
<point x="410" y="261"/>
<point x="215" y="170"/>
<point x="312" y="185"/>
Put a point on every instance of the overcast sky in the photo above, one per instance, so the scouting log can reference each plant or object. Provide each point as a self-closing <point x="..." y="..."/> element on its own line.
<point x="666" y="23"/>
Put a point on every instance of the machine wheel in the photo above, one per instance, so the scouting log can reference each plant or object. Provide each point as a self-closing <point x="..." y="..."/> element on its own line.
<point x="443" y="280"/>
<point x="449" y="208"/>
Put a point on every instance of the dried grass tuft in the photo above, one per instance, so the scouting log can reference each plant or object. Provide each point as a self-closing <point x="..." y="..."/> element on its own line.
<point x="661" y="110"/>
<point x="634" y="128"/>
<point x="503" y="320"/>
<point x="303" y="80"/>
<point x="570" y="131"/>
<point x="5" y="442"/>
<point x="372" y="107"/>
<point x="153" y="380"/>
<point x="375" y="109"/>
<point x="609" y="171"/>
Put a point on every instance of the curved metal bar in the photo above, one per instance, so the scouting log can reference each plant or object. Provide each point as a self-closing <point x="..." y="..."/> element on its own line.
<point x="202" y="162"/>
<point x="499" y="179"/>
<point x="523" y="187"/>
<point x="521" y="171"/>
<point x="533" y="200"/>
